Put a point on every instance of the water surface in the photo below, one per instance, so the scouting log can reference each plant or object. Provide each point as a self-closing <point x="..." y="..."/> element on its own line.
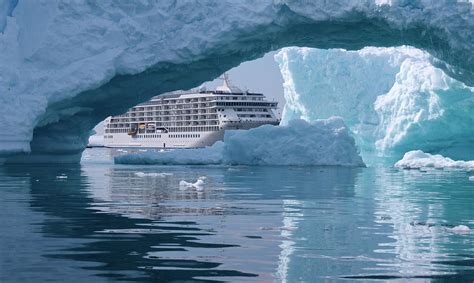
<point x="100" y="222"/>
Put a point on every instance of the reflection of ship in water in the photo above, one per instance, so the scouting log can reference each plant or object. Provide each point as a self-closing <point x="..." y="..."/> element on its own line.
<point x="213" y="219"/>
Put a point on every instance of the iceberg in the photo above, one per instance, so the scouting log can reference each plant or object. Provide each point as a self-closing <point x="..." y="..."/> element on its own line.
<point x="66" y="65"/>
<point x="322" y="142"/>
<point x="393" y="99"/>
<point x="417" y="159"/>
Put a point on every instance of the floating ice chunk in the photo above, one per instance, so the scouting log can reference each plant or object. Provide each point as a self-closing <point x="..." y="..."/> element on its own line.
<point x="460" y="229"/>
<point x="142" y="174"/>
<point x="417" y="159"/>
<point x="471" y="178"/>
<point x="322" y="142"/>
<point x="61" y="176"/>
<point x="198" y="185"/>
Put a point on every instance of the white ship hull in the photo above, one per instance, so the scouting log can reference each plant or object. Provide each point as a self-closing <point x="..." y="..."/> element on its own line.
<point x="164" y="140"/>
<point x="174" y="140"/>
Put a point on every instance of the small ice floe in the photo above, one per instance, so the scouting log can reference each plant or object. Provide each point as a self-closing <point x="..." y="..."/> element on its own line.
<point x="471" y="178"/>
<point x="460" y="229"/>
<point x="143" y="174"/>
<point x="417" y="159"/>
<point x="198" y="185"/>
<point x="62" y="176"/>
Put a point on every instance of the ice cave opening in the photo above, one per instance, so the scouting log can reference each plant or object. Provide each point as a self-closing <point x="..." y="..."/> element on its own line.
<point x="68" y="65"/>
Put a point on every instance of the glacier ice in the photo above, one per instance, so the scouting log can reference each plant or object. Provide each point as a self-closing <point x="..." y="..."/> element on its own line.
<point x="66" y="65"/>
<point x="322" y="142"/>
<point x="393" y="99"/>
<point x="417" y="159"/>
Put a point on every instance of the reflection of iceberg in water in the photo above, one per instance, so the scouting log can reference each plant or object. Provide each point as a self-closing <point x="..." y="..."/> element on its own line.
<point x="287" y="245"/>
<point x="278" y="223"/>
<point x="422" y="207"/>
<point x="394" y="225"/>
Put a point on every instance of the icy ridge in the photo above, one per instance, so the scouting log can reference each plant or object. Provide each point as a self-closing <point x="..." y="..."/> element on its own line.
<point x="322" y="142"/>
<point x="393" y="99"/>
<point x="66" y="65"/>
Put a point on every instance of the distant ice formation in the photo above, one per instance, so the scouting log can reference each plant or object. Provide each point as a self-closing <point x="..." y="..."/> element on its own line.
<point x="393" y="99"/>
<point x="417" y="159"/>
<point x="66" y="65"/>
<point x="322" y="142"/>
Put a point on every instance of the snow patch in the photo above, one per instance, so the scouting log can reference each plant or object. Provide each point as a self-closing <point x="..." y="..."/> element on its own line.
<point x="417" y="159"/>
<point x="322" y="142"/>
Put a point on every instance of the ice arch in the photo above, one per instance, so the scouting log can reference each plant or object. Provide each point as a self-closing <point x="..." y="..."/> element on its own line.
<point x="65" y="65"/>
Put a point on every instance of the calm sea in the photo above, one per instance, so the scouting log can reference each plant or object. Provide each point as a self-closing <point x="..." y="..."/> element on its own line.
<point x="98" y="221"/>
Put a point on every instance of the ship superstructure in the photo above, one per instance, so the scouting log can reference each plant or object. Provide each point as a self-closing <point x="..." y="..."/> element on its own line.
<point x="189" y="119"/>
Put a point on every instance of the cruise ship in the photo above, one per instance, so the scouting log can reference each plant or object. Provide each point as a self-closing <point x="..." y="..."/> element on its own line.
<point x="190" y="119"/>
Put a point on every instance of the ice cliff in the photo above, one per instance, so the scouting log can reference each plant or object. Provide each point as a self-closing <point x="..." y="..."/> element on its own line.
<point x="66" y="65"/>
<point x="322" y="142"/>
<point x="393" y="99"/>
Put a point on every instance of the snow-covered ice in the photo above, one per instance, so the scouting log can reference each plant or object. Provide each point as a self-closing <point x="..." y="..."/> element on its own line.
<point x="393" y="99"/>
<point x="66" y="65"/>
<point x="417" y="159"/>
<point x="322" y="142"/>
